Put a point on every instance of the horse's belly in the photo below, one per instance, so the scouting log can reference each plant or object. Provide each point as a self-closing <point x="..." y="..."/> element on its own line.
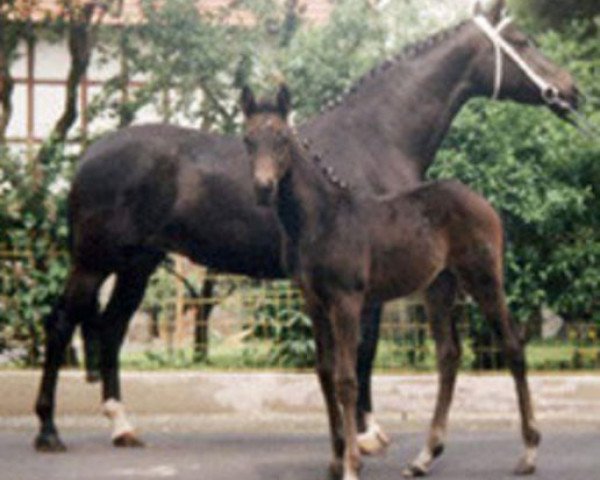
<point x="228" y="246"/>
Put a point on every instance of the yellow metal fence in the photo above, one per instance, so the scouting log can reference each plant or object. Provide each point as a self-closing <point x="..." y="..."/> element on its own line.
<point x="248" y="323"/>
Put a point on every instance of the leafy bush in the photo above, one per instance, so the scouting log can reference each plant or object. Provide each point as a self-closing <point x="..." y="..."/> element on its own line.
<point x="281" y="320"/>
<point x="543" y="177"/>
<point x="33" y="229"/>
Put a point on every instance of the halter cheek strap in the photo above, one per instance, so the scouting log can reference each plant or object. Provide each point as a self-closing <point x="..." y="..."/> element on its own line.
<point x="549" y="92"/>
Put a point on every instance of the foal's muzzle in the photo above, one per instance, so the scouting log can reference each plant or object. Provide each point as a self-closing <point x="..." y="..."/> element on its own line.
<point x="265" y="193"/>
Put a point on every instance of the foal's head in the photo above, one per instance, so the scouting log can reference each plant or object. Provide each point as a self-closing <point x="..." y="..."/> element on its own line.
<point x="509" y="65"/>
<point x="268" y="139"/>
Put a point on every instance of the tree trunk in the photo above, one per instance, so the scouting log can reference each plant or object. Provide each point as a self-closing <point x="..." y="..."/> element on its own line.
<point x="80" y="49"/>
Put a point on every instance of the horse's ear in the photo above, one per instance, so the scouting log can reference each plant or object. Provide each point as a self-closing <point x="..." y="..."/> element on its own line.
<point x="284" y="100"/>
<point x="497" y="11"/>
<point x="247" y="101"/>
<point x="477" y="8"/>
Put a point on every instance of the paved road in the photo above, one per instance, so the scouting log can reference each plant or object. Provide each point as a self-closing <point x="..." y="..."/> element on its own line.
<point x="276" y="456"/>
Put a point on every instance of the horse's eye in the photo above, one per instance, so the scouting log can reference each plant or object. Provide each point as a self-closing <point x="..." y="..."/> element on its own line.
<point x="522" y="41"/>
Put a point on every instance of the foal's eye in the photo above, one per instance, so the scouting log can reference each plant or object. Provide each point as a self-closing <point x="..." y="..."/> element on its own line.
<point x="250" y="144"/>
<point x="280" y="140"/>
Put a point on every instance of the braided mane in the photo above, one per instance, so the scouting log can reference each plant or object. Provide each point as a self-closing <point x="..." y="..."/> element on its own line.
<point x="407" y="53"/>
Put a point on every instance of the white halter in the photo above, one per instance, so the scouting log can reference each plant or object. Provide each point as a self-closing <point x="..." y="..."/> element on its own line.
<point x="549" y="92"/>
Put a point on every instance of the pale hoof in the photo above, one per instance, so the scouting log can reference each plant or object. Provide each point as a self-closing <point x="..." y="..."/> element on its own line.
<point x="128" y="440"/>
<point x="373" y="442"/>
<point x="524" y="467"/>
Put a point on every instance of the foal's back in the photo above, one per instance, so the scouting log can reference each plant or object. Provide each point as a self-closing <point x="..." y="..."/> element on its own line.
<point x="419" y="233"/>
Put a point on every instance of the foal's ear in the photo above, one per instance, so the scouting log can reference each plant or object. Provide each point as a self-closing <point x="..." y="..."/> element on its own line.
<point x="284" y="101"/>
<point x="247" y="101"/>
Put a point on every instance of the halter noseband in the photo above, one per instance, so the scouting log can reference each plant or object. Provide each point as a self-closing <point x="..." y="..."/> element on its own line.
<point x="549" y="92"/>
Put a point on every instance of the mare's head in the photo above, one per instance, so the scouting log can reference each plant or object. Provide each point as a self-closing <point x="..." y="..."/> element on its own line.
<point x="268" y="139"/>
<point x="508" y="65"/>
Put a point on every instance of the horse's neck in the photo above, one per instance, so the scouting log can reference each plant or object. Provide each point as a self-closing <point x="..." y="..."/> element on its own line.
<point x="429" y="102"/>
<point x="411" y="106"/>
<point x="305" y="200"/>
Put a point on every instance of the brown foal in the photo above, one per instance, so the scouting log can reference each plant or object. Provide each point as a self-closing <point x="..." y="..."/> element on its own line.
<point x="345" y="248"/>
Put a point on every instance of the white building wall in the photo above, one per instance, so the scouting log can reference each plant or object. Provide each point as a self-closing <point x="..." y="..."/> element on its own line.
<point x="50" y="70"/>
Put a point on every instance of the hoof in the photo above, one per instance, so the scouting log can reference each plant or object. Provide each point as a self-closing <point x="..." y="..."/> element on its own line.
<point x="351" y="476"/>
<point x="92" y="376"/>
<point x="373" y="442"/>
<point x="414" y="471"/>
<point x="49" y="443"/>
<point x="524" y="468"/>
<point x="336" y="469"/>
<point x="128" y="440"/>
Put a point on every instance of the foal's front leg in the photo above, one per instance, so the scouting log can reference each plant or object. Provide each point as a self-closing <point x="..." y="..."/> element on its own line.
<point x="325" y="361"/>
<point x="345" y="320"/>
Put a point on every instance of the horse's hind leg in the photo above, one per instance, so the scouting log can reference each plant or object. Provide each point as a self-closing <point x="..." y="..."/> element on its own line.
<point x="324" y="346"/>
<point x="486" y="287"/>
<point x="79" y="302"/>
<point x="439" y="300"/>
<point x="124" y="301"/>
<point x="91" y="350"/>
<point x="372" y="438"/>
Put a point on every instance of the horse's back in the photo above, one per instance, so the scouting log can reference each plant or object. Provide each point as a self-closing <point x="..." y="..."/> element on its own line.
<point x="126" y="184"/>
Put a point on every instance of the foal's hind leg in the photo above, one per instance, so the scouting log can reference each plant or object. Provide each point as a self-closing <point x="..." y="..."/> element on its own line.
<point x="125" y="299"/>
<point x="78" y="302"/>
<point x="439" y="299"/>
<point x="486" y="288"/>
<point x="372" y="438"/>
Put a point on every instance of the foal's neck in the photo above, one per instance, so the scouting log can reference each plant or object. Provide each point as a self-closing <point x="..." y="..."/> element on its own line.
<point x="307" y="201"/>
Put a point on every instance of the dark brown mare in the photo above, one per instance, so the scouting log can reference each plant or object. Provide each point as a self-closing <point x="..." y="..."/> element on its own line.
<point x="148" y="190"/>
<point x="345" y="248"/>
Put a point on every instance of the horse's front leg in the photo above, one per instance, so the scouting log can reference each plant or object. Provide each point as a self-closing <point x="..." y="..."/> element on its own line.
<point x="345" y="321"/>
<point x="125" y="299"/>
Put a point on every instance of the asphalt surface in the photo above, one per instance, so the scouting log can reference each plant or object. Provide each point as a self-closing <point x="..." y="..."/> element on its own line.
<point x="263" y="456"/>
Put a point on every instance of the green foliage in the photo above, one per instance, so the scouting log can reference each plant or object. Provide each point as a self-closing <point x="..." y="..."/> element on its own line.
<point x="33" y="240"/>
<point x="543" y="178"/>
<point x="320" y="63"/>
<point x="550" y="13"/>
<point x="282" y="321"/>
